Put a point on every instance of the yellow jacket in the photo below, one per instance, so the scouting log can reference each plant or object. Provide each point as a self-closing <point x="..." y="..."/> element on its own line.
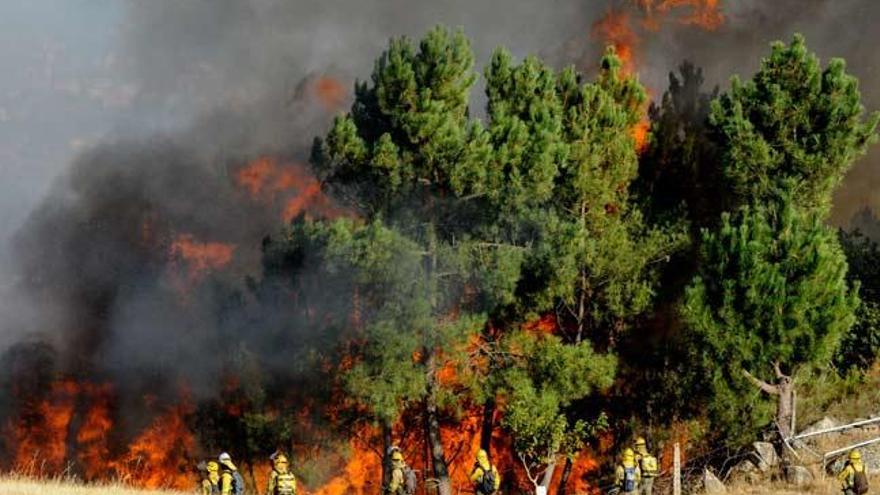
<point x="281" y="483"/>
<point x="620" y="472"/>
<point x="847" y="475"/>
<point x="397" y="484"/>
<point x="211" y="484"/>
<point x="226" y="478"/>
<point x="480" y="469"/>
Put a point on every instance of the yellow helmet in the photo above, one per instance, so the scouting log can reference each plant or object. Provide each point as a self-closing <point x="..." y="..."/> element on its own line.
<point x="628" y="454"/>
<point x="640" y="441"/>
<point x="212" y="467"/>
<point x="855" y="455"/>
<point x="397" y="456"/>
<point x="483" y="457"/>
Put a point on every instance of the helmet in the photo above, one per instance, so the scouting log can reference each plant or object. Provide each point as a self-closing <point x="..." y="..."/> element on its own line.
<point x="279" y="459"/>
<point x="483" y="457"/>
<point x="212" y="466"/>
<point x="628" y="454"/>
<point x="396" y="456"/>
<point x="224" y="458"/>
<point x="640" y="441"/>
<point x="854" y="455"/>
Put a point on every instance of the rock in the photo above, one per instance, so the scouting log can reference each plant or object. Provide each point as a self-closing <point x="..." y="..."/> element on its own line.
<point x="711" y="483"/>
<point x="766" y="454"/>
<point x="746" y="471"/>
<point x="798" y="476"/>
<point x="822" y="424"/>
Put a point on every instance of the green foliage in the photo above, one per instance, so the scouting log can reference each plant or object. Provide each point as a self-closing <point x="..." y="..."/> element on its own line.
<point x="861" y="345"/>
<point x="407" y="137"/>
<point x="771" y="288"/>
<point x="793" y="126"/>
<point x="542" y="378"/>
<point x="566" y="158"/>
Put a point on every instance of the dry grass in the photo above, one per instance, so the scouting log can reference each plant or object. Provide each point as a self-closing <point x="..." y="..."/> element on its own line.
<point x="25" y="486"/>
<point x="820" y="487"/>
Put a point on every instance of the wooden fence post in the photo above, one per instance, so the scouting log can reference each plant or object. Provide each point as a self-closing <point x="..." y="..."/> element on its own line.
<point x="676" y="470"/>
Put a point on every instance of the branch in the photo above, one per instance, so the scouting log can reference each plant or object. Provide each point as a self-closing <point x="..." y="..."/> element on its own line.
<point x="766" y="387"/>
<point x="778" y="370"/>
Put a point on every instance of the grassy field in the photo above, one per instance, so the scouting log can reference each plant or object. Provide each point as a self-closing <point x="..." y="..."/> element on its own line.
<point x="23" y="486"/>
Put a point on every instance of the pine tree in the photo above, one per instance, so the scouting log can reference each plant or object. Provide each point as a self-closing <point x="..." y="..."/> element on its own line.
<point x="404" y="157"/>
<point x="794" y="127"/>
<point x="771" y="295"/>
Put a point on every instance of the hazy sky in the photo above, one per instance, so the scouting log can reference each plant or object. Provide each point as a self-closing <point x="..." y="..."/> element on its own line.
<point x="76" y="72"/>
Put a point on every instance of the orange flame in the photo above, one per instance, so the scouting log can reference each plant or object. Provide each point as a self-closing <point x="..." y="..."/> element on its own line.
<point x="359" y="475"/>
<point x="40" y="437"/>
<point x="200" y="257"/>
<point x="291" y="184"/>
<point x="614" y="28"/>
<point x="159" y="456"/>
<point x="330" y="92"/>
<point x="546" y="324"/>
<point x="705" y="14"/>
<point x="91" y="438"/>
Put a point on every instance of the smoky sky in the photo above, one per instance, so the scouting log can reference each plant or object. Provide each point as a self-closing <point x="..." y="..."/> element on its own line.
<point x="119" y="114"/>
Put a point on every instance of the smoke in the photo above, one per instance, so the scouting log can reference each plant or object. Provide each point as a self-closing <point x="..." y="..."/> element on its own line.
<point x="191" y="92"/>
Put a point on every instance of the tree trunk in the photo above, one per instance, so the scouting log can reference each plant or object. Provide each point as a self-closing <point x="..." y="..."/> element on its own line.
<point x="784" y="390"/>
<point x="386" y="457"/>
<point x="548" y="475"/>
<point x="566" y="474"/>
<point x="488" y="425"/>
<point x="432" y="420"/>
<point x="785" y="406"/>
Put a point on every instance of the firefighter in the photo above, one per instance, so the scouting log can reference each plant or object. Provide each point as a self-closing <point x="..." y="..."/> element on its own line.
<point x="647" y="466"/>
<point x="853" y="477"/>
<point x="485" y="476"/>
<point x="231" y="482"/>
<point x="281" y="480"/>
<point x="211" y="482"/>
<point x="401" y="478"/>
<point x="628" y="474"/>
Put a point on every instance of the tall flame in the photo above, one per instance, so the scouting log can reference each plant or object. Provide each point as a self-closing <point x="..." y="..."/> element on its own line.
<point x="159" y="456"/>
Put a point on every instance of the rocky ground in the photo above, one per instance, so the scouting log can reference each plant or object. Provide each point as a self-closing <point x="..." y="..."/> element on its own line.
<point x="800" y="469"/>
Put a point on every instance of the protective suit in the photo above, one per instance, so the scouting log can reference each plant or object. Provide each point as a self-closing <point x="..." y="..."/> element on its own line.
<point x="648" y="467"/>
<point x="853" y="477"/>
<point x="231" y="482"/>
<point x="485" y="476"/>
<point x="628" y="475"/>
<point x="211" y="482"/>
<point x="281" y="480"/>
<point x="397" y="475"/>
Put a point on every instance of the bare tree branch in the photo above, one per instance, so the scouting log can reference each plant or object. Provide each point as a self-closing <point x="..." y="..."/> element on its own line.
<point x="766" y="387"/>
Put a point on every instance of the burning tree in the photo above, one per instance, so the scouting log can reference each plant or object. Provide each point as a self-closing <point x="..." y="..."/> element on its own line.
<point x="400" y="158"/>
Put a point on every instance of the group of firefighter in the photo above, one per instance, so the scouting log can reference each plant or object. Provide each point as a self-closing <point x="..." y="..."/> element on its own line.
<point x="221" y="477"/>
<point x="635" y="474"/>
